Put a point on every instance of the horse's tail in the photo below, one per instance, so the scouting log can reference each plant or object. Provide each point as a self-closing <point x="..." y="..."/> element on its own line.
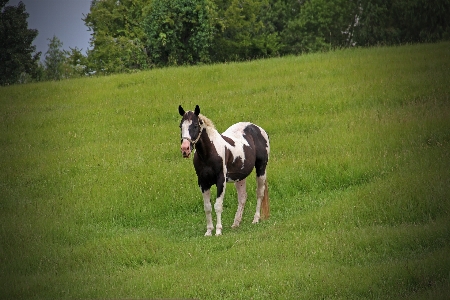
<point x="265" y="209"/>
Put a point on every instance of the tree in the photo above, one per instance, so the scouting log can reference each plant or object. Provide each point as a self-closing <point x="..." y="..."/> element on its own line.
<point x="402" y="21"/>
<point x="16" y="49"/>
<point x="54" y="60"/>
<point x="320" y="25"/>
<point x="180" y="31"/>
<point x="118" y="40"/>
<point x="76" y="63"/>
<point x="129" y="35"/>
<point x="115" y="55"/>
<point x="276" y="17"/>
<point x="244" y="33"/>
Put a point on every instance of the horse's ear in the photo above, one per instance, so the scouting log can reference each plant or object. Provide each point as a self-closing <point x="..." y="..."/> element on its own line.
<point x="181" y="110"/>
<point x="197" y="110"/>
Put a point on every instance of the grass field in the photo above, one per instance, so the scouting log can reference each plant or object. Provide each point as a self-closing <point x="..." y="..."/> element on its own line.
<point x="97" y="202"/>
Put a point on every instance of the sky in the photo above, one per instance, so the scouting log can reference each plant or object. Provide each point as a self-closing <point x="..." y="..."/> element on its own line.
<point x="58" y="17"/>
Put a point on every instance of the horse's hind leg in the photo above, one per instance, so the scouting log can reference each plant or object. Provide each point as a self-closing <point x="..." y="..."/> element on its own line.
<point x="242" y="197"/>
<point x="261" y="181"/>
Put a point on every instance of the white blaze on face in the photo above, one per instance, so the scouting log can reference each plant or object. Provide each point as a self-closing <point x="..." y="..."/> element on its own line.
<point x="185" y="129"/>
<point x="186" y="144"/>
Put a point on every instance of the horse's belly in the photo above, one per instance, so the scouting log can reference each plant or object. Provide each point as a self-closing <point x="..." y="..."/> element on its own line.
<point x="239" y="169"/>
<point x="233" y="177"/>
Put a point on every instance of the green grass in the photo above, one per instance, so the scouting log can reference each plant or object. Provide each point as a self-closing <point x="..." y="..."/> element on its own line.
<point x="96" y="201"/>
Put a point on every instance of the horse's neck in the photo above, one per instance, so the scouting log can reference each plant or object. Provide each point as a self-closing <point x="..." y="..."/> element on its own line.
<point x="208" y="137"/>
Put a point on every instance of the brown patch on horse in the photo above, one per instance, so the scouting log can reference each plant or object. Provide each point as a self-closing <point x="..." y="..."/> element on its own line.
<point x="228" y="140"/>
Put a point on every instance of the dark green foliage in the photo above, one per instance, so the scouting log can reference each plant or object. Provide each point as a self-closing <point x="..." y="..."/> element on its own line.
<point x="320" y="25"/>
<point x="76" y="63"/>
<point x="243" y="33"/>
<point x="402" y="21"/>
<point x="315" y="25"/>
<point x="180" y="32"/>
<point x="130" y="35"/>
<point x="17" y="57"/>
<point x="276" y="17"/>
<point x="137" y="34"/>
<point x="118" y="40"/>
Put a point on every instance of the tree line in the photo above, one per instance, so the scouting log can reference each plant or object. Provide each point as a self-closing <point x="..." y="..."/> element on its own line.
<point x="129" y="35"/>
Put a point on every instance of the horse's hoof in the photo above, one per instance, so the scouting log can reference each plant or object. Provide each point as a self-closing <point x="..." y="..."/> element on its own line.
<point x="218" y="232"/>
<point x="208" y="233"/>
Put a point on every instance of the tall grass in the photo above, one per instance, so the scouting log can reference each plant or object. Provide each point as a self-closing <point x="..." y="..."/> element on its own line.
<point x="96" y="201"/>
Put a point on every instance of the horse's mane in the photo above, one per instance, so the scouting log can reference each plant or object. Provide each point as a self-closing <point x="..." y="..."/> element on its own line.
<point x="207" y="122"/>
<point x="209" y="125"/>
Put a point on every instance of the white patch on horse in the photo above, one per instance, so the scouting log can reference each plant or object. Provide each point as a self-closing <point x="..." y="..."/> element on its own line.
<point x="185" y="129"/>
<point x="216" y="139"/>
<point x="236" y="133"/>
<point x="218" y="142"/>
<point x="266" y="137"/>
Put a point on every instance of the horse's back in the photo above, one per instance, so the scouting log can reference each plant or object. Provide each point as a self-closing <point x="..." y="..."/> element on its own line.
<point x="236" y="131"/>
<point x="252" y="135"/>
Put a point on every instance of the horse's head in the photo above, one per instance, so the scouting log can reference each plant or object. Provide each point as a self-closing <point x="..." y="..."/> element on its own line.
<point x="191" y="129"/>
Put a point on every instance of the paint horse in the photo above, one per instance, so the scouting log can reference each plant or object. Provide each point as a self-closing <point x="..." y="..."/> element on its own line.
<point x="227" y="157"/>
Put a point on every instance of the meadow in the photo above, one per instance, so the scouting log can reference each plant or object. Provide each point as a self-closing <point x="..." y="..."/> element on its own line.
<point x="97" y="202"/>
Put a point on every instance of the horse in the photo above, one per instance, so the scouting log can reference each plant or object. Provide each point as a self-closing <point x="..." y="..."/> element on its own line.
<point x="227" y="157"/>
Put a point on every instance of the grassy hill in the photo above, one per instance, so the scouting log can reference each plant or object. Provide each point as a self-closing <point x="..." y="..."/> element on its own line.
<point x="97" y="202"/>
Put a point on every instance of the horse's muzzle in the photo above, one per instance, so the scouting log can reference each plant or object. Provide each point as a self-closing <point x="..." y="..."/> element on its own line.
<point x="186" y="148"/>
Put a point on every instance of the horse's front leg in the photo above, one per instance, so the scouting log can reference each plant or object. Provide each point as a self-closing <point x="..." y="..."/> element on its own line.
<point x="207" y="205"/>
<point x="218" y="206"/>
